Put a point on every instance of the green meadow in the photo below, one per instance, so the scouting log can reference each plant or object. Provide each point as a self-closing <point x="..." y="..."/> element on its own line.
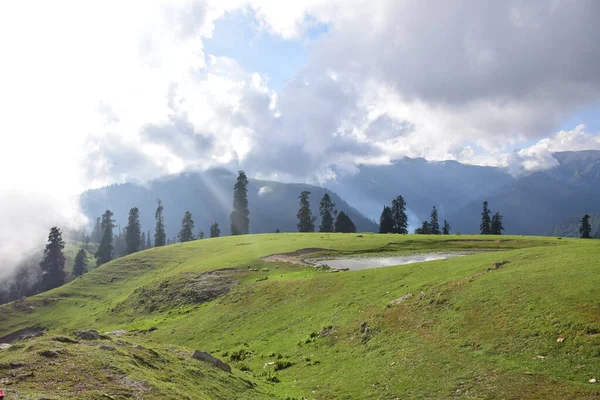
<point x="468" y="327"/>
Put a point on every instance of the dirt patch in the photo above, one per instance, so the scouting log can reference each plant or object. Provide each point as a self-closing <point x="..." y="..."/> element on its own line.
<point x="187" y="289"/>
<point x="22" y="334"/>
<point x="294" y="257"/>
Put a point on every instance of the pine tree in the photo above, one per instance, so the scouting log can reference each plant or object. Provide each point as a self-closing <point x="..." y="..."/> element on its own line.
<point x="344" y="224"/>
<point x="239" y="217"/>
<point x="148" y="240"/>
<point x="96" y="235"/>
<point x="399" y="215"/>
<point x="160" y="236"/>
<point x="119" y="244"/>
<point x="80" y="265"/>
<point x="386" y="221"/>
<point x="496" y="227"/>
<point x="187" y="228"/>
<point x="133" y="231"/>
<point x="306" y="222"/>
<point x="425" y="229"/>
<point x="446" y="229"/>
<point x="327" y="212"/>
<point x="485" y="227"/>
<point x="214" y="230"/>
<point x="105" y="251"/>
<point x="434" y="226"/>
<point x="585" y="229"/>
<point x="201" y="235"/>
<point x="143" y="241"/>
<point x="53" y="262"/>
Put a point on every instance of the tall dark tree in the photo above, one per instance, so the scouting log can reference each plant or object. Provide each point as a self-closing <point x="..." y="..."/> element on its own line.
<point x="160" y="236"/>
<point x="496" y="227"/>
<point x="186" y="233"/>
<point x="53" y="262"/>
<point x="434" y="226"/>
<point x="306" y="221"/>
<point x="201" y="235"/>
<point x="327" y="212"/>
<point x="240" y="221"/>
<point x="80" y="265"/>
<point x="446" y="229"/>
<point x="143" y="241"/>
<point x="133" y="232"/>
<point x="148" y="240"/>
<point x="96" y="235"/>
<point x="214" y="230"/>
<point x="425" y="229"/>
<point x="119" y="244"/>
<point x="399" y="215"/>
<point x="105" y="251"/>
<point x="585" y="229"/>
<point x="386" y="221"/>
<point x="485" y="228"/>
<point x="344" y="224"/>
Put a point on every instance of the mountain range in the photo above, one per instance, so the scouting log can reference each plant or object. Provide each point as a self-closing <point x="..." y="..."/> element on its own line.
<point x="532" y="204"/>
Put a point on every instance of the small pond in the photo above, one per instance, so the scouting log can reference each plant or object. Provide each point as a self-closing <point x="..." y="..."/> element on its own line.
<point x="376" y="262"/>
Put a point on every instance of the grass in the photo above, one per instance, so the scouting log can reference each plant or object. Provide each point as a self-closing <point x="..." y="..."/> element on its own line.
<point x="290" y="331"/>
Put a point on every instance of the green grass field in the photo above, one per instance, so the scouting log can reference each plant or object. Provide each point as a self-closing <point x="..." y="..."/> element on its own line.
<point x="289" y="331"/>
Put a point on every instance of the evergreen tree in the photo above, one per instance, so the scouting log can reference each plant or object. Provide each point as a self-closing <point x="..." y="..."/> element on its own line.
<point x="425" y="229"/>
<point x="160" y="236"/>
<point x="133" y="231"/>
<point x="399" y="215"/>
<point x="143" y="241"/>
<point x="486" y="224"/>
<point x="53" y="262"/>
<point x="434" y="226"/>
<point x="306" y="222"/>
<point x="446" y="229"/>
<point x="585" y="229"/>
<point x="119" y="244"/>
<point x="80" y="265"/>
<point x="201" y="235"/>
<point x="239" y="217"/>
<point x="187" y="228"/>
<point x="344" y="224"/>
<point x="96" y="235"/>
<point x="214" y="230"/>
<point x="386" y="221"/>
<point x="148" y="240"/>
<point x="496" y="227"/>
<point x="327" y="212"/>
<point x="105" y="251"/>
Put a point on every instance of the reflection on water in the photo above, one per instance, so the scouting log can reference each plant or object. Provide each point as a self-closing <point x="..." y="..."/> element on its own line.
<point x="364" y="263"/>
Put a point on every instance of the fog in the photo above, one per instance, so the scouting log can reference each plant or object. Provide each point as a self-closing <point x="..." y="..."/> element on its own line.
<point x="26" y="221"/>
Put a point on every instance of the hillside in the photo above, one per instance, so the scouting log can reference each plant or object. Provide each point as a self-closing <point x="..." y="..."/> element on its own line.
<point x="526" y="328"/>
<point x="208" y="196"/>
<point x="570" y="227"/>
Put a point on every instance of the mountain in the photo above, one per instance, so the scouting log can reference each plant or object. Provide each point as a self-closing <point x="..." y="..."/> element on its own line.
<point x="208" y="196"/>
<point x="449" y="185"/>
<point x="570" y="227"/>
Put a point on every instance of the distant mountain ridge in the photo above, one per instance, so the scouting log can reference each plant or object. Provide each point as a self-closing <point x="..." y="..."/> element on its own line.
<point x="532" y="204"/>
<point x="208" y="196"/>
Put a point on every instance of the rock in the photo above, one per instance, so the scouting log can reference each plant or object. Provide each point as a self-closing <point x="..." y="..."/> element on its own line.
<point x="528" y="373"/>
<point x="5" y="346"/>
<point x="400" y="300"/>
<point x="593" y="380"/>
<point x="540" y="357"/>
<point x="199" y="373"/>
<point x="498" y="265"/>
<point x="63" y="339"/>
<point x="118" y="332"/>
<point x="109" y="348"/>
<point x="48" y="354"/>
<point x="560" y="339"/>
<point x="87" y="335"/>
<point x="203" y="356"/>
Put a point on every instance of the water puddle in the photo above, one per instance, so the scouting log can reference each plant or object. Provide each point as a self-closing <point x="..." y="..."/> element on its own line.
<point x="354" y="264"/>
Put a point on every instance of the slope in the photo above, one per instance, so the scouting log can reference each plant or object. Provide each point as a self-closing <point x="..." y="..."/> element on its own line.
<point x="472" y="329"/>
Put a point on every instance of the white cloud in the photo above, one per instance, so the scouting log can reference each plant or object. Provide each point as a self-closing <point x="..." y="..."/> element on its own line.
<point x="264" y="190"/>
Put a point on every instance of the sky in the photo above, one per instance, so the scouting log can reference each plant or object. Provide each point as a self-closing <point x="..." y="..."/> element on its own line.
<point x="100" y="92"/>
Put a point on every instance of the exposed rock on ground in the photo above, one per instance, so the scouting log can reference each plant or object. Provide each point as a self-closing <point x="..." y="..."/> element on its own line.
<point x="203" y="356"/>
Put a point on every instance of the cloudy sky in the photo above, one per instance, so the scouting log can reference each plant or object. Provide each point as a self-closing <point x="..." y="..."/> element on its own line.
<point x="96" y="92"/>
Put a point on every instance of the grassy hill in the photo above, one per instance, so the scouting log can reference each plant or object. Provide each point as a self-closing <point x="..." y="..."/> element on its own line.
<point x="527" y="329"/>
